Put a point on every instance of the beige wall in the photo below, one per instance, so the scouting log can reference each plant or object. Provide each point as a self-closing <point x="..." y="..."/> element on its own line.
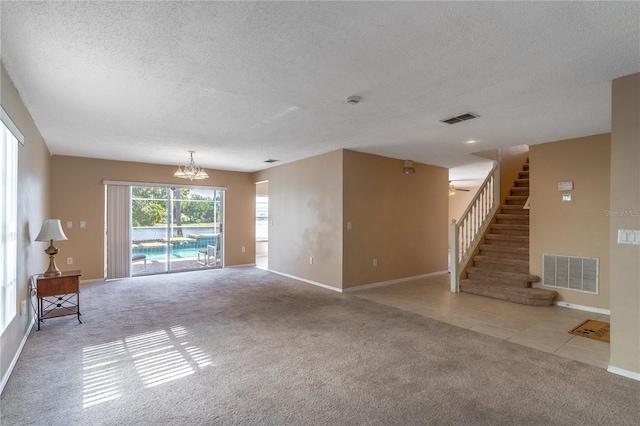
<point x="305" y="213"/>
<point x="578" y="227"/>
<point x="398" y="219"/>
<point x="77" y="193"/>
<point x="33" y="207"/>
<point x="625" y="204"/>
<point x="262" y="188"/>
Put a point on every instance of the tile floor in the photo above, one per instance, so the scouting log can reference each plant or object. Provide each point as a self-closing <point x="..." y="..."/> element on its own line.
<point x="543" y="328"/>
<point x="262" y="261"/>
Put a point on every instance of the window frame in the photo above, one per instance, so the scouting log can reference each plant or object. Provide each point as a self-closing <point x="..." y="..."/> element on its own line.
<point x="9" y="137"/>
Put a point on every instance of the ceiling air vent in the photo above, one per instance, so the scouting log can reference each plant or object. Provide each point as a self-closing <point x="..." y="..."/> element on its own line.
<point x="460" y="118"/>
<point x="271" y="160"/>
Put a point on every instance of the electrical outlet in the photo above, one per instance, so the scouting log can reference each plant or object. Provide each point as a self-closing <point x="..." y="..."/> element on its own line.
<point x="348" y="225"/>
<point x="244" y="249"/>
<point x="23" y="307"/>
<point x="83" y="224"/>
<point x="375" y="262"/>
<point x="69" y="225"/>
<point x="311" y="261"/>
<point x="69" y="260"/>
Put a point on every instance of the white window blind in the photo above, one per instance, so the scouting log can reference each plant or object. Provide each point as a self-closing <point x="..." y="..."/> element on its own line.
<point x="118" y="231"/>
<point x="8" y="223"/>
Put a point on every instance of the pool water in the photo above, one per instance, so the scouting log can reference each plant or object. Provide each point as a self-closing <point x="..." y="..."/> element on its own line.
<point x="156" y="250"/>
<point x="191" y="253"/>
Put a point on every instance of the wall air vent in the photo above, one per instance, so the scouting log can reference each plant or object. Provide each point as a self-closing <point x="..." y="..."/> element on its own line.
<point x="460" y="118"/>
<point x="571" y="272"/>
<point x="271" y="160"/>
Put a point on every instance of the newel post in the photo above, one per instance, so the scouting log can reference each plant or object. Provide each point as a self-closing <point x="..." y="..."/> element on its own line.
<point x="453" y="256"/>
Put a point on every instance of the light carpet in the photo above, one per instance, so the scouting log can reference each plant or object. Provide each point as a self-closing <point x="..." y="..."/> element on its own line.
<point x="244" y="346"/>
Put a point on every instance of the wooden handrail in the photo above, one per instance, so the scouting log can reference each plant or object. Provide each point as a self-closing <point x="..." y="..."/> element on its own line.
<point x="465" y="233"/>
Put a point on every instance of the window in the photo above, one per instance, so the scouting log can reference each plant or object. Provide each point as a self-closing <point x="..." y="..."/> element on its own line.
<point x="262" y="218"/>
<point x="8" y="219"/>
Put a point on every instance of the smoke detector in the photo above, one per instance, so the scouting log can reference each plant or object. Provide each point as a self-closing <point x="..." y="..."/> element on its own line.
<point x="353" y="100"/>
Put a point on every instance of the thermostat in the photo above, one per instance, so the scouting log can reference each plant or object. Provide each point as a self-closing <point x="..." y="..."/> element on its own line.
<point x="565" y="186"/>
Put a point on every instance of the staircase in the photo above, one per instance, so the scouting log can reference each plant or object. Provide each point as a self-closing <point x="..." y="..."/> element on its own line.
<point x="501" y="270"/>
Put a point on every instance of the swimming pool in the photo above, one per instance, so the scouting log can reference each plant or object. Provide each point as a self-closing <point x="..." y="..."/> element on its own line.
<point x="175" y="254"/>
<point x="185" y="248"/>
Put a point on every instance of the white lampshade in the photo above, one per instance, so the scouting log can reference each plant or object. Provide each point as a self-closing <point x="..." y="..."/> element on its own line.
<point x="51" y="230"/>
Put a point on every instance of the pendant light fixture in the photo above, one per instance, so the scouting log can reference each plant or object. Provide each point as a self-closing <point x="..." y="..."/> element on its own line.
<point x="191" y="171"/>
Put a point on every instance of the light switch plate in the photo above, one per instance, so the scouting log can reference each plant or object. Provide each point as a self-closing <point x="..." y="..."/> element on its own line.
<point x="69" y="225"/>
<point x="627" y="236"/>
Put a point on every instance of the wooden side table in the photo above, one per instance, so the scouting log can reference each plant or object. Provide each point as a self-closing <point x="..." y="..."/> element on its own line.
<point x="58" y="295"/>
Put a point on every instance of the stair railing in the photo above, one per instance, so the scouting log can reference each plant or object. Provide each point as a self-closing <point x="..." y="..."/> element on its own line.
<point x="466" y="233"/>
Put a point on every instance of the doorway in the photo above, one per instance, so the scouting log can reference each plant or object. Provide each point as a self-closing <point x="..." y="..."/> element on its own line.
<point x="262" y="225"/>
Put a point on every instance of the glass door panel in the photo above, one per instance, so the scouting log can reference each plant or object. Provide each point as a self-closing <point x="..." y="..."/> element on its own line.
<point x="191" y="226"/>
<point x="149" y="220"/>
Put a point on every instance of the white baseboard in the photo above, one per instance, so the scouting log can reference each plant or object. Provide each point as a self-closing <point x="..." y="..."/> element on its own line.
<point x="328" y="287"/>
<point x="600" y="311"/>
<point x="91" y="281"/>
<point x="625" y="373"/>
<point x="6" y="376"/>
<point x="246" y="265"/>
<point x="390" y="282"/>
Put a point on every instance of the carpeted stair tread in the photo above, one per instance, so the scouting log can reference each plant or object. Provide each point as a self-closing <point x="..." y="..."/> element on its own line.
<point x="519" y="190"/>
<point x="524" y="174"/>
<point x="525" y="296"/>
<point x="514" y="209"/>
<point x="504" y="264"/>
<point x="521" y="182"/>
<point x="518" y="279"/>
<point x="509" y="229"/>
<point x="507" y="240"/>
<point x="516" y="200"/>
<point x="498" y="261"/>
<point x="505" y="249"/>
<point x="511" y="218"/>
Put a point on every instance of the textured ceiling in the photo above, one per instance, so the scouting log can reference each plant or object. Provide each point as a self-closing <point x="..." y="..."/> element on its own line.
<point x="242" y="82"/>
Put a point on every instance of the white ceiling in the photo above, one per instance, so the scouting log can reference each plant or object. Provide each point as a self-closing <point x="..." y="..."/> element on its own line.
<point x="242" y="82"/>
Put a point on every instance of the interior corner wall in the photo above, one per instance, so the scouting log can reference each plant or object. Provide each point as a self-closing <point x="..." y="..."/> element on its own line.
<point x="305" y="218"/>
<point x="33" y="208"/>
<point x="625" y="214"/>
<point x="579" y="227"/>
<point x="77" y="194"/>
<point x="400" y="220"/>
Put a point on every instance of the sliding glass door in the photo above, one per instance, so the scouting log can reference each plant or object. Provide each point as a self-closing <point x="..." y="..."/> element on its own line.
<point x="175" y="229"/>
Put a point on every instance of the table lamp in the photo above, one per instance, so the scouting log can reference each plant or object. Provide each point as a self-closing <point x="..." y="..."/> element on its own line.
<point x="51" y="231"/>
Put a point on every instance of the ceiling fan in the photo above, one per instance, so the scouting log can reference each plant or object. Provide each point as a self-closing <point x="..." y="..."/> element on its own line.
<point x="453" y="189"/>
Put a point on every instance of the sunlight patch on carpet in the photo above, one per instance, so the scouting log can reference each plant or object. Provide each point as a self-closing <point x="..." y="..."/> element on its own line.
<point x="158" y="357"/>
<point x="591" y="329"/>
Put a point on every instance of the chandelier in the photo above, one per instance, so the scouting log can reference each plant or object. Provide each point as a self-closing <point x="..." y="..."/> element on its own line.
<point x="191" y="171"/>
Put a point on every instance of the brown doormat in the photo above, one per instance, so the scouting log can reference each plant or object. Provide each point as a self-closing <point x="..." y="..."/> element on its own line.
<point x="592" y="329"/>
